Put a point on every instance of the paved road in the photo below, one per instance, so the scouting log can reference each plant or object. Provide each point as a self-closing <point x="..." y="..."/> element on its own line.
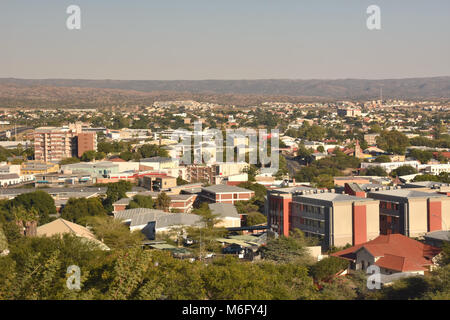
<point x="293" y="165"/>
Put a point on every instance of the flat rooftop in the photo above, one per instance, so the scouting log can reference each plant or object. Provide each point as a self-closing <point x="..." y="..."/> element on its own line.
<point x="332" y="197"/>
<point x="407" y="193"/>
<point x="222" y="188"/>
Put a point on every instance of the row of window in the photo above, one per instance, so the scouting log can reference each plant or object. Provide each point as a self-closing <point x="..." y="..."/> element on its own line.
<point x="389" y="205"/>
<point x="296" y="207"/>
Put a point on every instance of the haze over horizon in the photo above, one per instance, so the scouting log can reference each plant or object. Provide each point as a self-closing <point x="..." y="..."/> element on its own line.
<point x="205" y="40"/>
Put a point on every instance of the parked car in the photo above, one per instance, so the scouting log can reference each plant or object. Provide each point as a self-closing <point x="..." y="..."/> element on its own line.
<point x="234" y="249"/>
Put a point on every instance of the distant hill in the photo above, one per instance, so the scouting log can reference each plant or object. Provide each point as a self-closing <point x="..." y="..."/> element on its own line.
<point x="143" y="90"/>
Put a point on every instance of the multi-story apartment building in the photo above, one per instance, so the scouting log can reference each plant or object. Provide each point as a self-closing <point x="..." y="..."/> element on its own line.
<point x="55" y="144"/>
<point x="412" y="213"/>
<point x="195" y="173"/>
<point x="336" y="219"/>
<point x="371" y="138"/>
<point x="390" y="166"/>
<point x="86" y="141"/>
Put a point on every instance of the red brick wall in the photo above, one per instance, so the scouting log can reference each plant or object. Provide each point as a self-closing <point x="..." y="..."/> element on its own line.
<point x="434" y="216"/>
<point x="359" y="224"/>
<point x="86" y="142"/>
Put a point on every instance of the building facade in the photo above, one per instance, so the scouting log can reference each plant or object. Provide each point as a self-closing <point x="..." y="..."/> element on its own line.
<point x="412" y="213"/>
<point x="335" y="219"/>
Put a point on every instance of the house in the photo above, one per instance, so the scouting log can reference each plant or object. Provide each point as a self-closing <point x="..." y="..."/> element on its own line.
<point x="151" y="222"/>
<point x="394" y="253"/>
<point x="9" y="179"/>
<point x="182" y="203"/>
<point x="226" y="194"/>
<point x="227" y="213"/>
<point x="61" y="226"/>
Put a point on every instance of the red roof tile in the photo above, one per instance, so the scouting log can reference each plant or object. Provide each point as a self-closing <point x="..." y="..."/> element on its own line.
<point x="395" y="252"/>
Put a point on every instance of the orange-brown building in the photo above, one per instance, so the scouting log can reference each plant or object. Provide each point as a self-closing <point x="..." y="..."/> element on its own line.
<point x="86" y="141"/>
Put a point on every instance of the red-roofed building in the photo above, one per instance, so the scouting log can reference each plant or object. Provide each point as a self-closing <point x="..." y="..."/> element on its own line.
<point x="445" y="154"/>
<point x="393" y="253"/>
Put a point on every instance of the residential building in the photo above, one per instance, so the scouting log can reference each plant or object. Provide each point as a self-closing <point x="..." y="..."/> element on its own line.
<point x="61" y="226"/>
<point x="390" y="166"/>
<point x="371" y="138"/>
<point x="227" y="213"/>
<point x="410" y="212"/>
<point x="393" y="254"/>
<point x="86" y="141"/>
<point x="37" y="167"/>
<point x="58" y="143"/>
<point x="221" y="193"/>
<point x="152" y="222"/>
<point x="336" y="219"/>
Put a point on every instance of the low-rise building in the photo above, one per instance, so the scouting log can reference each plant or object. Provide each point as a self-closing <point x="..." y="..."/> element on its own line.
<point x="410" y="212"/>
<point x="336" y="219"/>
<point x="227" y="213"/>
<point x="393" y="254"/>
<point x="226" y="194"/>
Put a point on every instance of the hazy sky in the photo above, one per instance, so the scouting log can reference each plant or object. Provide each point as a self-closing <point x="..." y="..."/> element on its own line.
<point x="227" y="39"/>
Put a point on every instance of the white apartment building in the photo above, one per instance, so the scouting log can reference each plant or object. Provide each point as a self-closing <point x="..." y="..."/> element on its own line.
<point x="390" y="166"/>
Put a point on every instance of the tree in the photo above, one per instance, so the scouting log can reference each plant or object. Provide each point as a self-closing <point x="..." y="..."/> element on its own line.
<point x="245" y="206"/>
<point x="163" y="202"/>
<point x="69" y="161"/>
<point x="393" y="141"/>
<point x="375" y="171"/>
<point x="126" y="155"/>
<point x="114" y="233"/>
<point x="255" y="218"/>
<point x="100" y="155"/>
<point x="118" y="190"/>
<point x="140" y="201"/>
<point x="181" y="182"/>
<point x="376" y="128"/>
<point x="382" y="159"/>
<point x="422" y="156"/>
<point x="39" y="200"/>
<point x="78" y="209"/>
<point x="324" y="181"/>
<point x="326" y="268"/>
<point x="288" y="249"/>
<point x="403" y="171"/>
<point x="115" y="192"/>
<point x="88" y="156"/>
<point x="321" y="149"/>
<point x="152" y="150"/>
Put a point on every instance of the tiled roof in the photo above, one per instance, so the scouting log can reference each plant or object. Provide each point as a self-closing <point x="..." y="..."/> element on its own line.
<point x="396" y="252"/>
